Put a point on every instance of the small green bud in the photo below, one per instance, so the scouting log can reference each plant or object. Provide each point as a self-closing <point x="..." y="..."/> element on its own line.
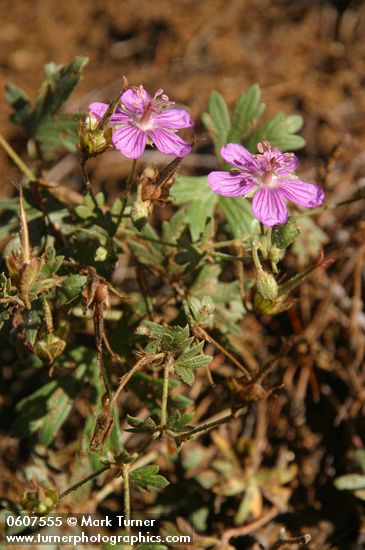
<point x="49" y="348"/>
<point x="140" y="214"/>
<point x="93" y="140"/>
<point x="42" y="508"/>
<point x="266" y="285"/>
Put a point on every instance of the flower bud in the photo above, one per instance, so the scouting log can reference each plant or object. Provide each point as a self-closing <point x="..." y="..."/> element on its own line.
<point x="93" y="140"/>
<point x="139" y="214"/>
<point x="49" y="348"/>
<point x="266" y="285"/>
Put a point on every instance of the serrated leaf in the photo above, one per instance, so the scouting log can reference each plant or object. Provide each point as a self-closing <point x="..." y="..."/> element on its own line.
<point x="279" y="131"/>
<point x="19" y="101"/>
<point x="185" y="373"/>
<point x="141" y="426"/>
<point x="147" y="477"/>
<point x="152" y="330"/>
<point x="218" y="121"/>
<point x="39" y="123"/>
<point x="58" y="132"/>
<point x="178" y="422"/>
<point x="57" y="87"/>
<point x="247" y="111"/>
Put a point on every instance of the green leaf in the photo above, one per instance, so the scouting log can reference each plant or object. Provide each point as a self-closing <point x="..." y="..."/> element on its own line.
<point x="40" y="123"/>
<point x="147" y="477"/>
<point x="279" y="131"/>
<point x="47" y="408"/>
<point x="190" y="257"/>
<point x="197" y="214"/>
<point x="141" y="426"/>
<point x="350" y="482"/>
<point x="285" y="234"/>
<point x="185" y="373"/>
<point x="218" y="120"/>
<point x="33" y="410"/>
<point x="58" y="132"/>
<point x="238" y="214"/>
<point x="4" y="316"/>
<point x="148" y="252"/>
<point x="60" y="407"/>
<point x="178" y="422"/>
<point x="72" y="287"/>
<point x="202" y="310"/>
<point x="55" y="90"/>
<point x="190" y="188"/>
<point x="20" y="103"/>
<point x="247" y="111"/>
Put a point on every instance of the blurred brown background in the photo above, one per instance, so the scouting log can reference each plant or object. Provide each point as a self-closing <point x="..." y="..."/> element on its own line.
<point x="308" y="56"/>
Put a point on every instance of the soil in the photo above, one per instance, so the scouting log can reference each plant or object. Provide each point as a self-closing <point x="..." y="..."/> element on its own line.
<point x="309" y="58"/>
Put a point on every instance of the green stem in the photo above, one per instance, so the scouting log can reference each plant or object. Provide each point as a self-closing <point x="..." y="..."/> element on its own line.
<point x="268" y="240"/>
<point x="232" y="242"/>
<point x="256" y="258"/>
<point x="87" y="183"/>
<point x="84" y="480"/>
<point x="17" y="160"/>
<point x="127" y="497"/>
<point x="128" y="188"/>
<point x="320" y="209"/>
<point x="130" y="233"/>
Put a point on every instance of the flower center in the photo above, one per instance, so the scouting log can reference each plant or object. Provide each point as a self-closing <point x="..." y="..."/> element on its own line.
<point x="160" y="102"/>
<point x="269" y="178"/>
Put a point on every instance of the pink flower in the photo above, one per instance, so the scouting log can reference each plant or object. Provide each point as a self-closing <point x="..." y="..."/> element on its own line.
<point x="270" y="176"/>
<point x="141" y="119"/>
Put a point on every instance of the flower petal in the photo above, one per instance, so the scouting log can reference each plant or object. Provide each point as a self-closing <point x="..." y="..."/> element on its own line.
<point x="230" y="185"/>
<point x="269" y="207"/>
<point x="135" y="100"/>
<point x="239" y="157"/>
<point x="301" y="192"/>
<point x="287" y="162"/>
<point x="173" y="118"/>
<point x="119" y="117"/>
<point x="169" y="143"/>
<point x="98" y="109"/>
<point x="130" y="141"/>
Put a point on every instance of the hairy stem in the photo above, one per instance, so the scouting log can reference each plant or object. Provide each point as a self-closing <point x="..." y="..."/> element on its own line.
<point x="16" y="159"/>
<point x="165" y="391"/>
<point x="87" y="183"/>
<point x="127" y="497"/>
<point x="127" y="191"/>
<point x="209" y="426"/>
<point x="84" y="480"/>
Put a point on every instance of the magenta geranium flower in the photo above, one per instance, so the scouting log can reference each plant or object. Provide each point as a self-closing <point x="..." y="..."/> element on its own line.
<point x="270" y="176"/>
<point x="141" y="119"/>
